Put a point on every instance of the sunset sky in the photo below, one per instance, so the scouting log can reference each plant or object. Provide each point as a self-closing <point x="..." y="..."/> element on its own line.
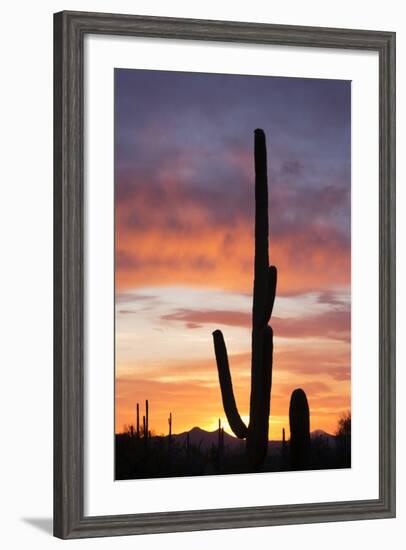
<point x="184" y="210"/>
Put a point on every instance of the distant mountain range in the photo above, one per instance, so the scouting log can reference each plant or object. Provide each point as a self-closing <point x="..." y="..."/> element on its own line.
<point x="321" y="433"/>
<point x="205" y="439"/>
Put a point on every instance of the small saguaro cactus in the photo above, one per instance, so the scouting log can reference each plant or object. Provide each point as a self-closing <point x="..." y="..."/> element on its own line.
<point x="220" y="446"/>
<point x="284" y="447"/>
<point x="170" y="432"/>
<point x="170" y="426"/>
<point x="146" y="418"/>
<point x="256" y="433"/>
<point x="220" y="437"/>
<point x="138" y="420"/>
<point x="299" y="420"/>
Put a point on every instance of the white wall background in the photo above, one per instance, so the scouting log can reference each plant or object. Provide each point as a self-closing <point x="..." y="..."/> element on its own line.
<point x="26" y="272"/>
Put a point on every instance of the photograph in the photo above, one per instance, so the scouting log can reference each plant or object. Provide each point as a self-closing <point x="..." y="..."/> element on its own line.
<point x="232" y="270"/>
<point x="201" y="309"/>
<point x="224" y="274"/>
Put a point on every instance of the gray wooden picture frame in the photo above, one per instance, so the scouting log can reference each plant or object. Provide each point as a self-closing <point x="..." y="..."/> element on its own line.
<point x="69" y="31"/>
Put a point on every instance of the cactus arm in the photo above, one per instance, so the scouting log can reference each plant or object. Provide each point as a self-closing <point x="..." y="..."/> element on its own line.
<point x="272" y="279"/>
<point x="226" y="386"/>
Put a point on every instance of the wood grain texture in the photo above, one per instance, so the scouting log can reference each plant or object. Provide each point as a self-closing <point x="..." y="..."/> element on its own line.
<point x="69" y="30"/>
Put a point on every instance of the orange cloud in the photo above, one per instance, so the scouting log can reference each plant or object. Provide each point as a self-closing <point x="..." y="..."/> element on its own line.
<point x="218" y="258"/>
<point x="333" y="324"/>
<point x="169" y="232"/>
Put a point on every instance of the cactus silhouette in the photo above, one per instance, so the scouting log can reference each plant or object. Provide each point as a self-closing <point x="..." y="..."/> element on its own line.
<point x="284" y="447"/>
<point x="220" y="446"/>
<point x="169" y="432"/>
<point x="220" y="438"/>
<point x="299" y="420"/>
<point x="138" y="420"/>
<point x="170" y="426"/>
<point x="146" y="432"/>
<point x="256" y="433"/>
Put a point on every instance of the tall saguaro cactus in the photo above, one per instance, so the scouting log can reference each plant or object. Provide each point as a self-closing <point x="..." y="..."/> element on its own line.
<point x="299" y="420"/>
<point x="256" y="433"/>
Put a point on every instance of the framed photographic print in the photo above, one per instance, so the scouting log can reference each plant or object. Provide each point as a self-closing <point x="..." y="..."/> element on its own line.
<point x="224" y="275"/>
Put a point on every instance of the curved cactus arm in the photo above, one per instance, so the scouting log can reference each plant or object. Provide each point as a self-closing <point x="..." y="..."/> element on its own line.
<point x="226" y="385"/>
